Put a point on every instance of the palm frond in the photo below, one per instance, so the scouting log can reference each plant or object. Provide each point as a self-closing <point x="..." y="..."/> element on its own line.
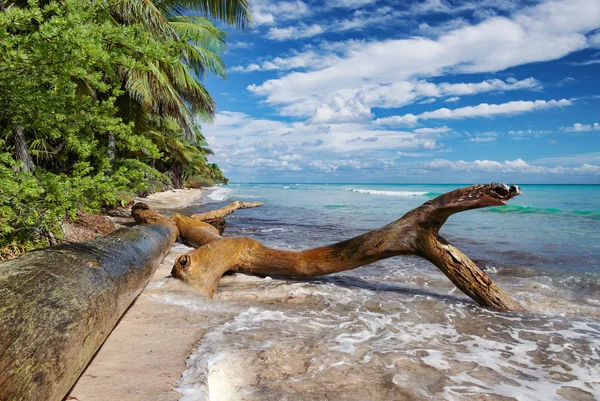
<point x="237" y="13"/>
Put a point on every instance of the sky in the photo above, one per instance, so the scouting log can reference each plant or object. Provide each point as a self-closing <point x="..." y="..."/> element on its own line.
<point x="427" y="91"/>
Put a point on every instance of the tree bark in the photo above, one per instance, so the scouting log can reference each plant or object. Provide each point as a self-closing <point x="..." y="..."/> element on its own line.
<point x="416" y="233"/>
<point x="58" y="305"/>
<point x="21" y="150"/>
<point x="112" y="145"/>
<point x="226" y="210"/>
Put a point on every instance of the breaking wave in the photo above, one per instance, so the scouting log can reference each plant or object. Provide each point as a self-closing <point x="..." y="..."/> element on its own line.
<point x="391" y="193"/>
<point x="220" y="194"/>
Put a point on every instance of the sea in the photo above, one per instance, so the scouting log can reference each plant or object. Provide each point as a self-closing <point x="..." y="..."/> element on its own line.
<point x="398" y="329"/>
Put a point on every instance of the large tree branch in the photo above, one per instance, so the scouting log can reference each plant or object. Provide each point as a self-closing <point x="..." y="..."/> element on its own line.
<point x="225" y="211"/>
<point x="416" y="233"/>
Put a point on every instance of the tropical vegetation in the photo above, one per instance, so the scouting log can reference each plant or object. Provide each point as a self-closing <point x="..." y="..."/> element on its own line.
<point x="101" y="100"/>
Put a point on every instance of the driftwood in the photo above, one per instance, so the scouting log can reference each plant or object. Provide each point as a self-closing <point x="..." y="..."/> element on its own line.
<point x="416" y="233"/>
<point x="58" y="305"/>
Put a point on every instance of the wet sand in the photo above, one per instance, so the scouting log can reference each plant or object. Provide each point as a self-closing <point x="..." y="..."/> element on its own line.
<point x="144" y="356"/>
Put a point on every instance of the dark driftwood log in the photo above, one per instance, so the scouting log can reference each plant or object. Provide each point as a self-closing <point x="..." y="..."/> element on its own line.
<point x="416" y="233"/>
<point x="58" y="305"/>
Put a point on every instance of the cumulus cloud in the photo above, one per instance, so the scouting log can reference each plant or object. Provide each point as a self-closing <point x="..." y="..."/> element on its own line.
<point x="343" y="111"/>
<point x="395" y="94"/>
<point x="508" y="166"/>
<point x="295" y="32"/>
<point x="266" y="12"/>
<point x="481" y="110"/>
<point x="547" y="31"/>
<point x="578" y="127"/>
<point x="453" y="99"/>
<point x="276" y="164"/>
<point x="432" y="130"/>
<point x="296" y="61"/>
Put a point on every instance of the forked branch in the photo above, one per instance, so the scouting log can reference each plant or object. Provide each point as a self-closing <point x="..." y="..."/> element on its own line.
<point x="416" y="233"/>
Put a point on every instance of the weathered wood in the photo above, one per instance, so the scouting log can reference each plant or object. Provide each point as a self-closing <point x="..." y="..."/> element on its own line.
<point x="416" y="233"/>
<point x="225" y="211"/>
<point x="58" y="305"/>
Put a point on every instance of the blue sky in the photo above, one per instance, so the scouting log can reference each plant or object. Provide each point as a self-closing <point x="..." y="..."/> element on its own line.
<point x="403" y="92"/>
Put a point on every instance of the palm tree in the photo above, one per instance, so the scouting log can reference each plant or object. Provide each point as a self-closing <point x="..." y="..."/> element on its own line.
<point x="169" y="89"/>
<point x="174" y="89"/>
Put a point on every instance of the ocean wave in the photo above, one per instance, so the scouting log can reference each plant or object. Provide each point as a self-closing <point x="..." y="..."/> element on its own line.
<point x="590" y="214"/>
<point x="220" y="194"/>
<point x="391" y="193"/>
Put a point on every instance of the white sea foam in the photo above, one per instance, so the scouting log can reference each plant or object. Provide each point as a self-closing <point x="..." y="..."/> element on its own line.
<point x="334" y="336"/>
<point x="220" y="194"/>
<point x="268" y="230"/>
<point x="386" y="193"/>
<point x="393" y="330"/>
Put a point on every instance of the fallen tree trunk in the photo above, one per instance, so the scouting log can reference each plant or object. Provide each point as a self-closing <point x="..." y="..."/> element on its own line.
<point x="416" y="233"/>
<point x="225" y="211"/>
<point x="58" y="305"/>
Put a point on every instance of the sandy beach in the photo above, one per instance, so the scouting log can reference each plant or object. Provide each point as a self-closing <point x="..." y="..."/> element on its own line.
<point x="396" y="329"/>
<point x="144" y="356"/>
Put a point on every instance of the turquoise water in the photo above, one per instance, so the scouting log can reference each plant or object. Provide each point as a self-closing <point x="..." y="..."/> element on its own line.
<point x="549" y="226"/>
<point x="398" y="329"/>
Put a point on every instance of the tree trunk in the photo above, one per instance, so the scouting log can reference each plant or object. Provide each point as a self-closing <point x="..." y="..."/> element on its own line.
<point x="112" y="144"/>
<point x="21" y="150"/>
<point x="58" y="305"/>
<point x="416" y="233"/>
<point x="176" y="173"/>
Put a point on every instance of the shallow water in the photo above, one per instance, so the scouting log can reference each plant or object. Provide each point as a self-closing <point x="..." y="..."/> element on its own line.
<point x="398" y="329"/>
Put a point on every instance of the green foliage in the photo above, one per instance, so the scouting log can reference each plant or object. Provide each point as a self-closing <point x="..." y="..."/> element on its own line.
<point x="107" y="94"/>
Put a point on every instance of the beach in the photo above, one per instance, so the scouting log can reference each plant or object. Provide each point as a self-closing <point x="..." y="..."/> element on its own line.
<point x="396" y="329"/>
<point x="144" y="356"/>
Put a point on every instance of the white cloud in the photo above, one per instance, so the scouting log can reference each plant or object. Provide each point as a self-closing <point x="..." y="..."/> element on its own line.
<point x="296" y="61"/>
<point x="486" y="7"/>
<point x="481" y="110"/>
<point x="544" y="32"/>
<point x="589" y="62"/>
<point x="413" y="154"/>
<point x="276" y="164"/>
<point x="520" y="134"/>
<point x="434" y="130"/>
<point x="396" y="94"/>
<point x="594" y="40"/>
<point x="482" y="139"/>
<point x="295" y="32"/>
<point x="578" y="127"/>
<point x="266" y="12"/>
<point x="428" y="101"/>
<point x="238" y="133"/>
<point x="324" y="167"/>
<point x="240" y="45"/>
<point x="350" y="4"/>
<point x="342" y="111"/>
<point x="572" y="160"/>
<point x="453" y="99"/>
<point x="508" y="166"/>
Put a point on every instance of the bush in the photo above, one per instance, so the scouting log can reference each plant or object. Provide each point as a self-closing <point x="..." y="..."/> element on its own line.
<point x="34" y="206"/>
<point x="198" y="181"/>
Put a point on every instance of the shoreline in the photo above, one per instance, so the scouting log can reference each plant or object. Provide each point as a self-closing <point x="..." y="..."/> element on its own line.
<point x="394" y="330"/>
<point x="145" y="354"/>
